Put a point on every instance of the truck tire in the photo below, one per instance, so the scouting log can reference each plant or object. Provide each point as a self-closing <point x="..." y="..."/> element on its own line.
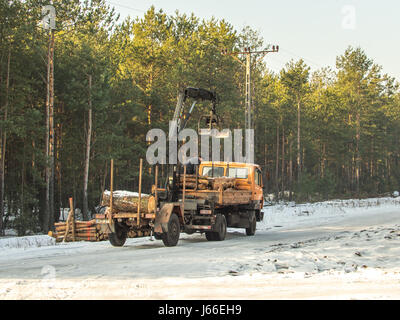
<point x="171" y="237"/>
<point x="251" y="231"/>
<point x="220" y="227"/>
<point x="118" y="238"/>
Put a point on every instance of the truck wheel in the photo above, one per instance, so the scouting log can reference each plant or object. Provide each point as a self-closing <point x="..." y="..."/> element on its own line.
<point x="171" y="237"/>
<point x="251" y="231"/>
<point x="220" y="227"/>
<point x="118" y="238"/>
<point x="221" y="233"/>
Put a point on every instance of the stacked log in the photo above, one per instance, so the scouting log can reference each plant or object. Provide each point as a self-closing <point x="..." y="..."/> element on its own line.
<point x="223" y="182"/>
<point x="138" y="233"/>
<point x="203" y="182"/>
<point x="208" y="183"/>
<point x="124" y="201"/>
<point x="84" y="231"/>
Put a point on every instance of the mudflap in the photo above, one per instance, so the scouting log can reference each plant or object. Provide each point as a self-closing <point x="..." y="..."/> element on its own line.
<point x="162" y="218"/>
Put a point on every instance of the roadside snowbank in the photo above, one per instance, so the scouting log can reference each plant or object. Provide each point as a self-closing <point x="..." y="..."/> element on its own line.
<point x="26" y="242"/>
<point x="290" y="214"/>
<point x="368" y="251"/>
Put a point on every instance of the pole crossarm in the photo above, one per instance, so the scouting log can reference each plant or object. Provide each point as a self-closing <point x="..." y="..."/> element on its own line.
<point x="248" y="52"/>
<point x="274" y="48"/>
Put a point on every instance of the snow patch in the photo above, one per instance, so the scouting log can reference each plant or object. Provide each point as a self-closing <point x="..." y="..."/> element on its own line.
<point x="289" y="214"/>
<point x="27" y="242"/>
<point x="123" y="193"/>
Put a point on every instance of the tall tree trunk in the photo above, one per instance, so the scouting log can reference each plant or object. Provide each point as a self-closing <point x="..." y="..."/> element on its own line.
<point x="357" y="162"/>
<point x="283" y="162"/>
<point x="52" y="136"/>
<point x="323" y="160"/>
<point x="103" y="182"/>
<point x="266" y="169"/>
<point x="372" y="158"/>
<point x="22" y="208"/>
<point x="46" y="216"/>
<point x="291" y="170"/>
<point x="277" y="163"/>
<point x="87" y="156"/>
<point x="58" y="167"/>
<point x="4" y="145"/>
<point x="298" y="142"/>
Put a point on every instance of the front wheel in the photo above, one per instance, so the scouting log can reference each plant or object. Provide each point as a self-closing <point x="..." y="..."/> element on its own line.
<point x="171" y="237"/>
<point x="251" y="230"/>
<point x="220" y="229"/>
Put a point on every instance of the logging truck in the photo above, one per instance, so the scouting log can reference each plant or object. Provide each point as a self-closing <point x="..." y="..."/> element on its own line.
<point x="218" y="196"/>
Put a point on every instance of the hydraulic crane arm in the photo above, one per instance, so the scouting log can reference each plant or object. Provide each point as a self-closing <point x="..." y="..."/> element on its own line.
<point x="181" y="118"/>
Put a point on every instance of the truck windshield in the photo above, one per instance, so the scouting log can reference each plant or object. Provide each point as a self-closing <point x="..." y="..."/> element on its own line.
<point x="239" y="173"/>
<point x="217" y="172"/>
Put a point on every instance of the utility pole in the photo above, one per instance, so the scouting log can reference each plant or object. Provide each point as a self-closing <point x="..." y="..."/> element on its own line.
<point x="49" y="24"/>
<point x="248" y="53"/>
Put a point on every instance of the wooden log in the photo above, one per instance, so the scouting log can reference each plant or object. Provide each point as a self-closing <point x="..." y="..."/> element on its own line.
<point x="87" y="236"/>
<point x="192" y="186"/>
<point x="203" y="181"/>
<point x="60" y="224"/>
<point x="89" y="239"/>
<point x="86" y="233"/>
<point x="152" y="205"/>
<point x="129" y="203"/>
<point x="77" y="226"/>
<point x="223" y="182"/>
<point x="78" y="229"/>
<point x="132" y="234"/>
<point x="52" y="234"/>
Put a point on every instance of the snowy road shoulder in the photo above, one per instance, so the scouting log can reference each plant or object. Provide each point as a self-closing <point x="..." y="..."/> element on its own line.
<point x="338" y="249"/>
<point x="374" y="248"/>
<point x="26" y="242"/>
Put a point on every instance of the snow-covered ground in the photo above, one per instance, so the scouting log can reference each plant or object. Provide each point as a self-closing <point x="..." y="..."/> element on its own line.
<point x="334" y="250"/>
<point x="26" y="242"/>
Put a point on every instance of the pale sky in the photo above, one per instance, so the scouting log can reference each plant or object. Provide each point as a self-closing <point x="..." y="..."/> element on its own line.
<point x="315" y="30"/>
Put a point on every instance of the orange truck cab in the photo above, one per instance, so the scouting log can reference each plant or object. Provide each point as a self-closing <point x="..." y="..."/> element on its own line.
<point x="248" y="177"/>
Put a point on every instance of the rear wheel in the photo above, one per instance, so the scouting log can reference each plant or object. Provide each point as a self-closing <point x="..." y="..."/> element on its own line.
<point x="118" y="238"/>
<point x="171" y="237"/>
<point x="251" y="231"/>
<point x="220" y="229"/>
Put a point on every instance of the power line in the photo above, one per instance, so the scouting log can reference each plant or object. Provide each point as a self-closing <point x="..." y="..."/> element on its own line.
<point x="124" y="6"/>
<point x="285" y="51"/>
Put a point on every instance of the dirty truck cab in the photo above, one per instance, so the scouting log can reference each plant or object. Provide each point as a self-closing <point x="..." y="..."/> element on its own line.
<point x="212" y="211"/>
<point x="248" y="176"/>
